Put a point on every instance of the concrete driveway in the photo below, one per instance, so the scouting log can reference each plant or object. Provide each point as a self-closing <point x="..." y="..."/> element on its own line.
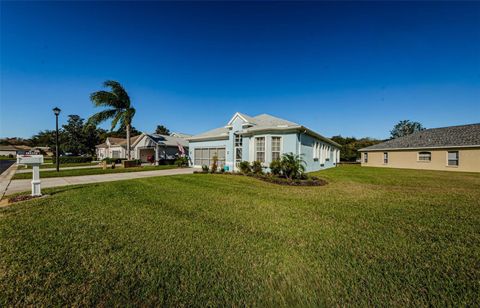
<point x="24" y="185"/>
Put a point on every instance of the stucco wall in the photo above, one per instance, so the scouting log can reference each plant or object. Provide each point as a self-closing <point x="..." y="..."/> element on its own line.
<point x="469" y="160"/>
<point x="307" y="149"/>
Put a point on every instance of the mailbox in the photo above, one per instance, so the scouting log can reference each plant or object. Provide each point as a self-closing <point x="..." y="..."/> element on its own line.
<point x="35" y="161"/>
<point x="30" y="160"/>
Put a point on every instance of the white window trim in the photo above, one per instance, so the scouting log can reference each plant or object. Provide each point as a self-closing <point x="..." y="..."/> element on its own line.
<point x="458" y="159"/>
<point x="281" y="147"/>
<point x="425" y="161"/>
<point x="265" y="150"/>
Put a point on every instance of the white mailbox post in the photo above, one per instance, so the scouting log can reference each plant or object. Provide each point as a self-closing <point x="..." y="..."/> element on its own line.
<point x="35" y="161"/>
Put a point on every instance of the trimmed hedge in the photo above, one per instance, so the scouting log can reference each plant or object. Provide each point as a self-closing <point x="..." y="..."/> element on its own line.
<point x="72" y="159"/>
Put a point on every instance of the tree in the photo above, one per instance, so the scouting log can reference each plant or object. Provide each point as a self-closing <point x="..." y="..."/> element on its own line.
<point x="74" y="135"/>
<point x="92" y="137"/>
<point x="351" y="145"/>
<point x="405" y="127"/>
<point x="119" y="108"/>
<point x="292" y="165"/>
<point x="162" y="130"/>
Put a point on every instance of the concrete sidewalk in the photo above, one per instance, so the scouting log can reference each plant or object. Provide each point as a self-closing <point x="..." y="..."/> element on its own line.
<point x="24" y="185"/>
<point x="5" y="179"/>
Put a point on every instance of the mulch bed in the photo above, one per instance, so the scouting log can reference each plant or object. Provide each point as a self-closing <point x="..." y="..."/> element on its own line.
<point x="310" y="181"/>
<point x="21" y="198"/>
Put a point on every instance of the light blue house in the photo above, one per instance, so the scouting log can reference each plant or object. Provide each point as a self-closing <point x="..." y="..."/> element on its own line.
<point x="262" y="138"/>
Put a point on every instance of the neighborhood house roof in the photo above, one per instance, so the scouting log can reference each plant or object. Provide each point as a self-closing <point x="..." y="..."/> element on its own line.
<point x="120" y="141"/>
<point x="168" y="140"/>
<point x="443" y="137"/>
<point x="262" y="122"/>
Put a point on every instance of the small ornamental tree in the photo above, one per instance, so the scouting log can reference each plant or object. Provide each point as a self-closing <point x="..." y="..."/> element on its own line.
<point x="293" y="166"/>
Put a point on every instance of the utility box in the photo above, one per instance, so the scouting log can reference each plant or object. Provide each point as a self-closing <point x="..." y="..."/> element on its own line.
<point x="35" y="161"/>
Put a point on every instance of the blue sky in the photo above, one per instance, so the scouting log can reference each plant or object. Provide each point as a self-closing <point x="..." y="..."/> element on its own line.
<point x="346" y="68"/>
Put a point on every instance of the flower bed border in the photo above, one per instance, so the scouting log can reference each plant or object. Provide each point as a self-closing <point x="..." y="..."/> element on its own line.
<point x="311" y="181"/>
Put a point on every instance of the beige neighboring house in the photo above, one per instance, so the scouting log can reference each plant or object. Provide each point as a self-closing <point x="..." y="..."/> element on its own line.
<point x="160" y="147"/>
<point x="453" y="148"/>
<point x="114" y="148"/>
<point x="8" y="150"/>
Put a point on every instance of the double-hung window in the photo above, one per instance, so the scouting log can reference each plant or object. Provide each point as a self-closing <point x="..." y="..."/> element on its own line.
<point x="276" y="147"/>
<point x="385" y="157"/>
<point x="260" y="149"/>
<point x="365" y="157"/>
<point x="453" y="158"/>
<point x="425" y="156"/>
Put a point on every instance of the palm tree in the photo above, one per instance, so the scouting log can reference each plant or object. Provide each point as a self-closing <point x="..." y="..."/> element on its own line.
<point x="119" y="108"/>
<point x="293" y="165"/>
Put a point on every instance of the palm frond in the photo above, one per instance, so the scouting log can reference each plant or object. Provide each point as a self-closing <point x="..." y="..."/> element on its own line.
<point x="129" y="114"/>
<point x="119" y="91"/>
<point x="118" y="117"/>
<point x="102" y="116"/>
<point x="103" y="98"/>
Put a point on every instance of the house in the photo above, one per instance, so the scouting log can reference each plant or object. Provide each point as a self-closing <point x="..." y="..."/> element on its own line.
<point x="8" y="150"/>
<point x="160" y="147"/>
<point x="453" y="148"/>
<point x="262" y="138"/>
<point x="114" y="148"/>
<point x="13" y="150"/>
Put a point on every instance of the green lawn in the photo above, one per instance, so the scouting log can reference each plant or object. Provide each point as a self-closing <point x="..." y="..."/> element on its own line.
<point x="51" y="165"/>
<point x="371" y="237"/>
<point x="90" y="171"/>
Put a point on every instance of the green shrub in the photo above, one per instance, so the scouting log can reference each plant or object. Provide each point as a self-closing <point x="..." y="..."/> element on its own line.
<point x="245" y="167"/>
<point x="182" y="161"/>
<point x="276" y="167"/>
<point x="293" y="166"/>
<point x="73" y="159"/>
<point x="205" y="168"/>
<point x="257" y="167"/>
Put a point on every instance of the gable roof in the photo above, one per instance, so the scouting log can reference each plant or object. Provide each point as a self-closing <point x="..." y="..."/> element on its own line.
<point x="262" y="122"/>
<point x="114" y="141"/>
<point x="443" y="137"/>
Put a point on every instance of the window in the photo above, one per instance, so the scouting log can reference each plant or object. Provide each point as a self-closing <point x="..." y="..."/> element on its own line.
<point x="276" y="145"/>
<point x="316" y="150"/>
<point x="238" y="149"/>
<point x="328" y="153"/>
<point x="260" y="149"/>
<point x="204" y="156"/>
<point x="425" y="156"/>
<point x="453" y="158"/>
<point x="365" y="157"/>
<point x="385" y="158"/>
<point x="115" y="154"/>
<point x="238" y="140"/>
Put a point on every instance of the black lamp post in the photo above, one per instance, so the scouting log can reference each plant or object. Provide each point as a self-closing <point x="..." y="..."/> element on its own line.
<point x="56" y="111"/>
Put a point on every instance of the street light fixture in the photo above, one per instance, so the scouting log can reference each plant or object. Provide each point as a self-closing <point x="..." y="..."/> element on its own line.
<point x="56" y="111"/>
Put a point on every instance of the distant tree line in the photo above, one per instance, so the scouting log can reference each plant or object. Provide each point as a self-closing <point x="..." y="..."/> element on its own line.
<point x="351" y="145"/>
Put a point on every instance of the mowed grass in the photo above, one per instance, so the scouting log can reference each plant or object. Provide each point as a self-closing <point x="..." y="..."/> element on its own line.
<point x="90" y="171"/>
<point x="51" y="165"/>
<point x="371" y="237"/>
